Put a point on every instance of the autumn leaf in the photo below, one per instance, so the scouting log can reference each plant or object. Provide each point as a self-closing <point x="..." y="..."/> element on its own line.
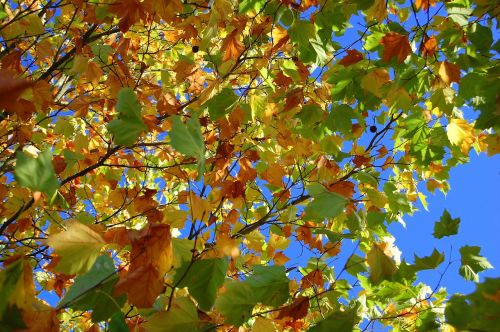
<point x="297" y="310"/>
<point x="429" y="46"/>
<point x="352" y="57"/>
<point x="142" y="285"/>
<point x="374" y="81"/>
<point x="424" y="4"/>
<point x="78" y="246"/>
<point x="11" y="88"/>
<point x="395" y="46"/>
<point x="460" y="133"/>
<point x="382" y="267"/>
<point x="449" y="72"/>
<point x="232" y="46"/>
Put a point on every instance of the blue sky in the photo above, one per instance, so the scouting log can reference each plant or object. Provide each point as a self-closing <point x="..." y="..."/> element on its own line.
<point x="474" y="197"/>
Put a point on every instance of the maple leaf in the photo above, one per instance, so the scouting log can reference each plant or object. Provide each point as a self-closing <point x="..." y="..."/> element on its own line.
<point x="461" y="133"/>
<point x="449" y="72"/>
<point x="78" y="246"/>
<point x="232" y="46"/>
<point x="395" y="46"/>
<point x="428" y="46"/>
<point x="142" y="285"/>
<point x="352" y="57"/>
<point x="424" y="4"/>
<point x="297" y="310"/>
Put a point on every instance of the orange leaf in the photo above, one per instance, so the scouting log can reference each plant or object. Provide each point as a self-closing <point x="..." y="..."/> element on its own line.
<point x="152" y="246"/>
<point x="43" y="320"/>
<point x="280" y="258"/>
<point x="297" y="310"/>
<point x="345" y="188"/>
<point x="352" y="57"/>
<point x="143" y="285"/>
<point x="429" y="46"/>
<point x="449" y="72"/>
<point x="313" y="278"/>
<point x="232" y="46"/>
<point x="395" y="45"/>
<point x="11" y="88"/>
<point x="424" y="4"/>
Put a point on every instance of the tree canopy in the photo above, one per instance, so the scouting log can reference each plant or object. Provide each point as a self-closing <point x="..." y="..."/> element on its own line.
<point x="193" y="165"/>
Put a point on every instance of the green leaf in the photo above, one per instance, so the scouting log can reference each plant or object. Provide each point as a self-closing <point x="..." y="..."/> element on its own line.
<point x="446" y="226"/>
<point x="481" y="37"/>
<point x="222" y="103"/>
<point x="12" y="320"/>
<point x="188" y="140"/>
<point x="8" y="281"/>
<point x="247" y="5"/>
<point x="382" y="267"/>
<point x="93" y="291"/>
<point x="117" y="323"/>
<point x="269" y="285"/>
<point x="236" y="303"/>
<point x="458" y="311"/>
<point x="355" y="264"/>
<point x="203" y="279"/>
<point x="477" y="311"/>
<point x="429" y="262"/>
<point x="129" y="125"/>
<point x="325" y="204"/>
<point x="182" y="316"/>
<point x="36" y="173"/>
<point x="78" y="247"/>
<point x="339" y="321"/>
<point x="472" y="263"/>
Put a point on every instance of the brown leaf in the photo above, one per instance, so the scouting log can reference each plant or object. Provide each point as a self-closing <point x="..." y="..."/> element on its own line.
<point x="232" y="46"/>
<point x="297" y="310"/>
<point x="424" y="4"/>
<point x="11" y="88"/>
<point x="152" y="246"/>
<point x="313" y="278"/>
<point x="429" y="46"/>
<point x="41" y="318"/>
<point x="143" y="285"/>
<point x="395" y="45"/>
<point x="352" y="57"/>
<point x="449" y="72"/>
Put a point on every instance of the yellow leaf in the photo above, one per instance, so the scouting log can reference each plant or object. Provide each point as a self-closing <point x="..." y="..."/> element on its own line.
<point x="493" y="142"/>
<point x="232" y="46"/>
<point x="382" y="267"/>
<point x="449" y="72"/>
<point x="263" y="325"/>
<point x="378" y="11"/>
<point x="460" y="133"/>
<point x="374" y="80"/>
<point x="78" y="247"/>
<point x="377" y="198"/>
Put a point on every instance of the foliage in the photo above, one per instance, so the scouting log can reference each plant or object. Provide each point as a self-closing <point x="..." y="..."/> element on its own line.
<point x="173" y="165"/>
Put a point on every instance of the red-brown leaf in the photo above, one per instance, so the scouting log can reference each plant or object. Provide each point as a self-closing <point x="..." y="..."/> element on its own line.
<point x="395" y="46"/>
<point x="352" y="57"/>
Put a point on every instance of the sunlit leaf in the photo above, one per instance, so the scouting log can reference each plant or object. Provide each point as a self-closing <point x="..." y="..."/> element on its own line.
<point x="129" y="125"/>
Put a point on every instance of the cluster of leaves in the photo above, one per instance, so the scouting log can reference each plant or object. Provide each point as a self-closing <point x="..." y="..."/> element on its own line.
<point x="173" y="165"/>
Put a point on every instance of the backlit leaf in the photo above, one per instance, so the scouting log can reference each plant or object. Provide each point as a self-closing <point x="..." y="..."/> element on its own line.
<point x="269" y="285"/>
<point x="36" y="173"/>
<point x="395" y="46"/>
<point x="446" y="226"/>
<point x="78" y="246"/>
<point x="129" y="125"/>
<point x="382" y="267"/>
<point x="202" y="278"/>
<point x="472" y="263"/>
